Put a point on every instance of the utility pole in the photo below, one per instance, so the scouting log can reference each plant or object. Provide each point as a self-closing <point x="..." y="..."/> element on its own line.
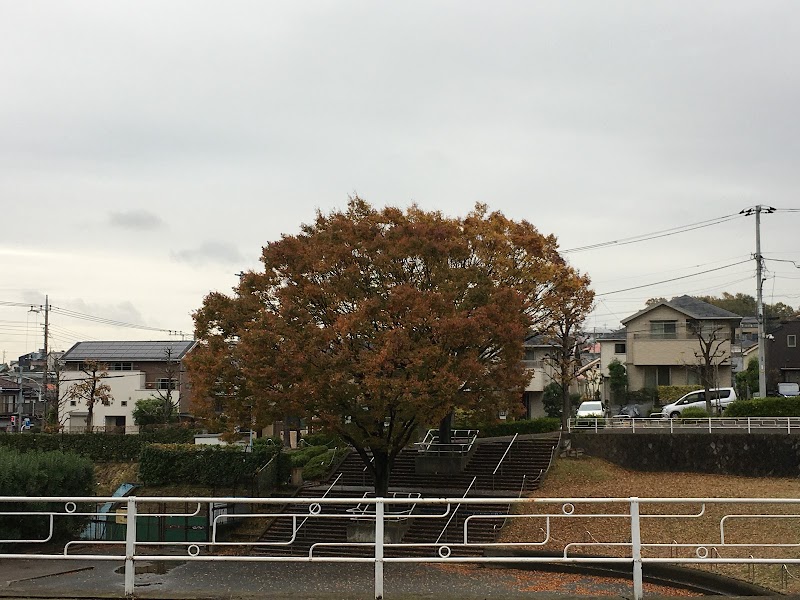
<point x="762" y="373"/>
<point x="18" y="424"/>
<point x="43" y="388"/>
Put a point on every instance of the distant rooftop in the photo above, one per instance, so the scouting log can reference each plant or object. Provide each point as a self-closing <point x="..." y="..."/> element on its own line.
<point x="128" y="351"/>
<point x="619" y="334"/>
<point x="691" y="307"/>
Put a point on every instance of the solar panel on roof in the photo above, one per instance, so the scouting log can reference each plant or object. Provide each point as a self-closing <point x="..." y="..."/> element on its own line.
<point x="128" y="350"/>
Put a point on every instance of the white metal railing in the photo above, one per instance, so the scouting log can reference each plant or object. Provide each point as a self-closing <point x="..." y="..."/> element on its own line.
<point x="502" y="458"/>
<point x="462" y="442"/>
<point x="715" y="539"/>
<point x="742" y="424"/>
<point x="452" y="516"/>
<point x="364" y="511"/>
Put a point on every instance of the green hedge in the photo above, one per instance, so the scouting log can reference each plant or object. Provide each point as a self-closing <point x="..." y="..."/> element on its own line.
<point x="318" y="465"/>
<point x="764" y="407"/>
<point x="694" y="412"/>
<point x="541" y="425"/>
<point x="99" y="447"/>
<point x="42" y="474"/>
<point x="323" y="439"/>
<point x="670" y="393"/>
<point x="202" y="465"/>
<point x="299" y="458"/>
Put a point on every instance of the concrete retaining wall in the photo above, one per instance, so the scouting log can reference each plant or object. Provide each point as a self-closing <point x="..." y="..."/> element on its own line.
<point x="730" y="454"/>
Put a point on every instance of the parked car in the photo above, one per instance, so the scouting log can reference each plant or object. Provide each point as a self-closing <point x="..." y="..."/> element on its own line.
<point x="591" y="410"/>
<point x="720" y="398"/>
<point x="789" y="390"/>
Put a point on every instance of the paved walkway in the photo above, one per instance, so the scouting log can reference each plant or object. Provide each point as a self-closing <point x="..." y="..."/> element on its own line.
<point x="295" y="581"/>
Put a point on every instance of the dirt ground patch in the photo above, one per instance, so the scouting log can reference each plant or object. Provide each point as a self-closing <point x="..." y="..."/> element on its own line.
<point x="683" y="528"/>
<point x="109" y="476"/>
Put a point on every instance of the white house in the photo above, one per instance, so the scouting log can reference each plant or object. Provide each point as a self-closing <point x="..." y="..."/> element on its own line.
<point x="133" y="370"/>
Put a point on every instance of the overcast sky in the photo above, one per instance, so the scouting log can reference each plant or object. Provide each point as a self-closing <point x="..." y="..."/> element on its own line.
<point x="149" y="149"/>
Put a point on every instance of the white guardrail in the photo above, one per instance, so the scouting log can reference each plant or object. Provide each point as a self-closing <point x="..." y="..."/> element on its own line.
<point x="711" y="530"/>
<point x="738" y="424"/>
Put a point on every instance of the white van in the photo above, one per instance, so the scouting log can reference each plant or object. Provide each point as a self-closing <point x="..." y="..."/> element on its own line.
<point x="720" y="398"/>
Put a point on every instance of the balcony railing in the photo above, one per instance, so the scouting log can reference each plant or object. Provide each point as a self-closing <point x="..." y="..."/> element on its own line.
<point x="533" y="364"/>
<point x="680" y="335"/>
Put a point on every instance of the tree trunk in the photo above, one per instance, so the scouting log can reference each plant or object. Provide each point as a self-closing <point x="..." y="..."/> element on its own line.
<point x="566" y="409"/>
<point x="287" y="433"/>
<point x="446" y="429"/>
<point x="381" y="468"/>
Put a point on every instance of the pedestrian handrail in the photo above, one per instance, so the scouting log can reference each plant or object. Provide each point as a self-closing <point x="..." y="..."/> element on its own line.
<point x="463" y="440"/>
<point x="502" y="458"/>
<point x="663" y="424"/>
<point x="367" y="511"/>
<point x="325" y="495"/>
<point x="455" y="510"/>
<point x="641" y="546"/>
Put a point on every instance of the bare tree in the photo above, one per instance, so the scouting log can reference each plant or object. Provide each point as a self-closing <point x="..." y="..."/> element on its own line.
<point x="571" y="301"/>
<point x="165" y="394"/>
<point x="91" y="389"/>
<point x="710" y="353"/>
<point x="56" y="396"/>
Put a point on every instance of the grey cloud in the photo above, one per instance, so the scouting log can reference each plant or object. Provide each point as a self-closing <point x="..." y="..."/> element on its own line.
<point x="209" y="253"/>
<point x="124" y="311"/>
<point x="139" y="220"/>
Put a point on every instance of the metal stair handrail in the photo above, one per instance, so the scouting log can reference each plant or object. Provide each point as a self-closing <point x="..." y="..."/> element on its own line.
<point x="335" y="481"/>
<point x="469" y="487"/>
<point x="502" y="458"/>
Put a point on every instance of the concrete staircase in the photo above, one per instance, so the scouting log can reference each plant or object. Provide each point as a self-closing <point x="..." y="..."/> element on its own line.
<point x="331" y="529"/>
<point x="524" y="464"/>
<point x="525" y="461"/>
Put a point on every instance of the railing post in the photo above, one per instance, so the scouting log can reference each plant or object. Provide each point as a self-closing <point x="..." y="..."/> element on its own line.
<point x="595" y="424"/>
<point x="130" y="546"/>
<point x="379" y="548"/>
<point x="636" y="550"/>
<point x="633" y="425"/>
<point x="748" y="424"/>
<point x="709" y="424"/>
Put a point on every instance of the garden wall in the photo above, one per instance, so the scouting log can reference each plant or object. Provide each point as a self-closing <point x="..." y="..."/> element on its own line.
<point x="755" y="455"/>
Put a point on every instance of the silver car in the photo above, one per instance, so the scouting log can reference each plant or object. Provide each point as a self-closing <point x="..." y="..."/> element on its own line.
<point x="720" y="398"/>
<point x="591" y="410"/>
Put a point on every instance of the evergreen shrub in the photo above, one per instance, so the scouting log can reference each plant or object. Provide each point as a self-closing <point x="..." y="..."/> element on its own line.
<point x="161" y="464"/>
<point x="540" y="425"/>
<point x="42" y="474"/>
<point x="764" y="407"/>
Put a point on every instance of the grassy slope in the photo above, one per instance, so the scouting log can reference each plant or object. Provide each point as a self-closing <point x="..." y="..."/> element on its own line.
<point x="589" y="477"/>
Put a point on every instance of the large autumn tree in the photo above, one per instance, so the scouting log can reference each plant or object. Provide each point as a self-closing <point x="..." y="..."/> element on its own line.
<point x="378" y="322"/>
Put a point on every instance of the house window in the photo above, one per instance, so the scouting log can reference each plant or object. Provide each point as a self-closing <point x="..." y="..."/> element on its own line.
<point x="663" y="330"/>
<point x="656" y="375"/>
<point x="73" y="403"/>
<point x="791" y="341"/>
<point x="124" y="403"/>
<point x="166" y="384"/>
<point x="619" y="348"/>
<point x="530" y="354"/>
<point x="120" y="366"/>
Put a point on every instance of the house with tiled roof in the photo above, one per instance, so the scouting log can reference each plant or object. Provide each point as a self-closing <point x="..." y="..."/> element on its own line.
<point x="134" y="370"/>
<point x="662" y="343"/>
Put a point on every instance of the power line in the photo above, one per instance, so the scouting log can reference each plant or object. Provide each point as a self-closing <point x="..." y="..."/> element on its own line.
<point x="638" y="287"/>
<point x="655" y="235"/>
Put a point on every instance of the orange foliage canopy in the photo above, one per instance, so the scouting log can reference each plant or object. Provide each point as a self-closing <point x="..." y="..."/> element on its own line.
<point x="379" y="322"/>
